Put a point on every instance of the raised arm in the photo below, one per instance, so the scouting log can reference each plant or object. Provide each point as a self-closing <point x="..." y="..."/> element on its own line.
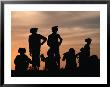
<point x="49" y="41"/>
<point x="44" y="39"/>
<point x="60" y="39"/>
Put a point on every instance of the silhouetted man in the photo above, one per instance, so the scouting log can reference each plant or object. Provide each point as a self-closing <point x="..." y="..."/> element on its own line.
<point x="54" y="41"/>
<point x="21" y="61"/>
<point x="35" y="42"/>
<point x="70" y="60"/>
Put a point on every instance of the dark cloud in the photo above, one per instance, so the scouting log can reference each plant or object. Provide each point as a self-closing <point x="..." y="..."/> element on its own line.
<point x="86" y="23"/>
<point x="72" y="19"/>
<point x="64" y="19"/>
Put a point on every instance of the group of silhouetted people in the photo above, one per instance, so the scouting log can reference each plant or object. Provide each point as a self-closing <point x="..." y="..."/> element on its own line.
<point x="35" y="42"/>
<point x="52" y="61"/>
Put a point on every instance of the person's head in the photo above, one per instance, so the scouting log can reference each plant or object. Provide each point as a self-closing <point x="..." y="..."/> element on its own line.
<point x="21" y="50"/>
<point x="54" y="29"/>
<point x="88" y="40"/>
<point x="33" y="30"/>
<point x="71" y="50"/>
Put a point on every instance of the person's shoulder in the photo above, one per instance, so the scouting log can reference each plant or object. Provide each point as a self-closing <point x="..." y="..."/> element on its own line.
<point x="50" y="35"/>
<point x="17" y="56"/>
<point x="39" y="35"/>
<point x="26" y="56"/>
<point x="58" y="35"/>
<point x="30" y="35"/>
<point x="66" y="53"/>
<point x="86" y="46"/>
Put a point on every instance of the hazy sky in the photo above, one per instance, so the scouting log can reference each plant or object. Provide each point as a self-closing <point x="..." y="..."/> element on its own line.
<point x="74" y="27"/>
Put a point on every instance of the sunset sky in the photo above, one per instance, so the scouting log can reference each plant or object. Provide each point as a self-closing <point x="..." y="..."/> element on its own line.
<point x="74" y="28"/>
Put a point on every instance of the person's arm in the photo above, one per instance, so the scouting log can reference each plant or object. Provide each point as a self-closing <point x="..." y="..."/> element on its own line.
<point x="29" y="60"/>
<point x="44" y="39"/>
<point x="30" y="50"/>
<point x="49" y="41"/>
<point x="60" y="39"/>
<point x="16" y="60"/>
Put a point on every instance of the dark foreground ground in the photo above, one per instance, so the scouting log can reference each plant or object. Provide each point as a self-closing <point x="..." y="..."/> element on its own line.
<point x="61" y="73"/>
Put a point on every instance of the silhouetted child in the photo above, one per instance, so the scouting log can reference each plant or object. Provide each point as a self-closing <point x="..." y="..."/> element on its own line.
<point x="21" y="61"/>
<point x="70" y="60"/>
<point x="54" y="41"/>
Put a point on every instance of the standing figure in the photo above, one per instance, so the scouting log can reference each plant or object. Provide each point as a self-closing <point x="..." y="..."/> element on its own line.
<point x="35" y="42"/>
<point x="54" y="41"/>
<point x="21" y="61"/>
